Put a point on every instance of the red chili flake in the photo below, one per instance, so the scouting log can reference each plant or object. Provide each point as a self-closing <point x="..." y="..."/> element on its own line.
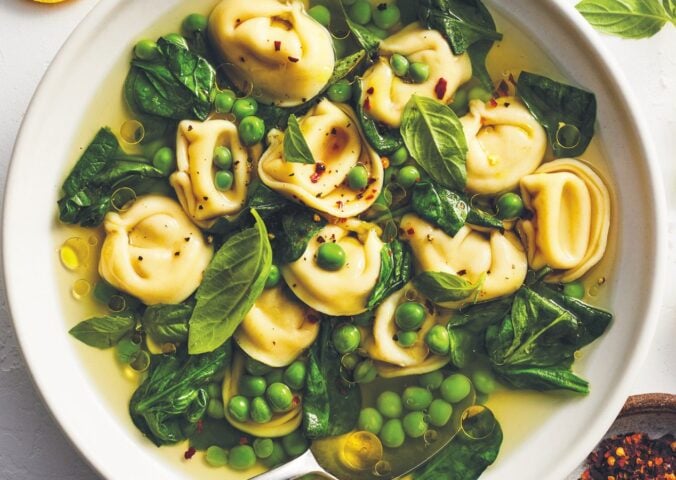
<point x="440" y="88"/>
<point x="339" y="204"/>
<point x="189" y="453"/>
<point x="370" y="90"/>
<point x="320" y="168"/>
<point x="293" y="59"/>
<point x="278" y="45"/>
<point x="370" y="197"/>
<point x="493" y="103"/>
<point x="321" y="239"/>
<point x="410" y="231"/>
<point x="503" y="89"/>
<point x="296" y="401"/>
<point x="243" y="440"/>
<point x="367" y="104"/>
<point x="200" y="425"/>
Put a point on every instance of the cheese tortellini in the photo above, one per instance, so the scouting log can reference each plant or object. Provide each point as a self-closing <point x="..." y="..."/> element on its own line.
<point x="393" y="360"/>
<point x="571" y="218"/>
<point x="153" y="251"/>
<point x="505" y="142"/>
<point x="337" y="144"/>
<point x="274" y="48"/>
<point x="194" y="179"/>
<point x="387" y="94"/>
<point x="469" y="254"/>
<point x="345" y="291"/>
<point x="277" y="329"/>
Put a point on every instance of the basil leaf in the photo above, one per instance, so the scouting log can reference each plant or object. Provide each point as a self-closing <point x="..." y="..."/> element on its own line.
<point x="104" y="332"/>
<point x="435" y="139"/>
<point x="346" y="65"/>
<point x="296" y="149"/>
<point x="478" y="53"/>
<point x="396" y="266"/>
<point x="384" y="140"/>
<point x="480" y="218"/>
<point x="627" y="18"/>
<point x="293" y="232"/>
<point x="556" y="105"/>
<point x="232" y="282"/>
<point x="442" y="207"/>
<point x="167" y="323"/>
<point x="442" y="287"/>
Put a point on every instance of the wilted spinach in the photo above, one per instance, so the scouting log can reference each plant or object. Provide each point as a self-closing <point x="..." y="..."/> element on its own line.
<point x="396" y="267"/>
<point x="104" y="332"/>
<point x="167" y="323"/>
<point x="292" y="233"/>
<point x="215" y="432"/>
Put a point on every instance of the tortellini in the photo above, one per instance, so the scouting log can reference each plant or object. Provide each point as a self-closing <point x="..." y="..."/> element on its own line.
<point x="153" y="251"/>
<point x="274" y="48"/>
<point x="281" y="424"/>
<point x="505" y="142"/>
<point x="345" y="291"/>
<point x="385" y="95"/>
<point x="392" y="360"/>
<point x="337" y="144"/>
<point x="469" y="254"/>
<point x="194" y="179"/>
<point x="571" y="218"/>
<point x="277" y="329"/>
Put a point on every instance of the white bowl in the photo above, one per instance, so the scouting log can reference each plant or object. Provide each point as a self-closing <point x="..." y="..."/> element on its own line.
<point x="45" y="147"/>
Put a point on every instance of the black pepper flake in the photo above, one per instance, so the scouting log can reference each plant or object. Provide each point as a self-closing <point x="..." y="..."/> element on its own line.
<point x="140" y="258"/>
<point x="200" y="207"/>
<point x="462" y="272"/>
<point x="242" y="59"/>
<point x="190" y="128"/>
<point x="205" y="198"/>
<point x="177" y="254"/>
<point x="321" y="239"/>
<point x="293" y="59"/>
<point x="334" y="131"/>
<point x="187" y="239"/>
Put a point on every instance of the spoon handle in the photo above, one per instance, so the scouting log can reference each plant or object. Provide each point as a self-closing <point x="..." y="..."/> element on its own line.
<point x="303" y="465"/>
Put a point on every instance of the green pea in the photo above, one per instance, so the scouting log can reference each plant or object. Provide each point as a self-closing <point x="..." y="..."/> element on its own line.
<point x="330" y="256"/>
<point x="146" y="50"/>
<point x="376" y="31"/>
<point x="238" y="407"/>
<point x="392" y="434"/>
<point x="455" y="388"/>
<point x="346" y="338"/>
<point x="358" y="177"/>
<point x="386" y="16"/>
<point x="275" y="376"/>
<point x="414" y="424"/>
<point x="260" y="410"/>
<point x="256" y="368"/>
<point x="399" y="157"/>
<point x="509" y="205"/>
<point x="460" y="101"/>
<point x="274" y="277"/>
<point x="350" y="360"/>
<point x="406" y="339"/>
<point x="252" y="386"/>
<point x="364" y="372"/>
<point x="370" y="420"/>
<point x="438" y="340"/>
<point x="419" y="72"/>
<point x="223" y="157"/>
<point x="439" y="412"/>
<point x="224" y="101"/>
<point x="263" y="447"/>
<point x="409" y="315"/>
<point x="277" y="457"/>
<point x="244" y="107"/>
<point x="251" y="130"/>
<point x="216" y="456"/>
<point x="279" y="397"/>
<point x="223" y="180"/>
<point x="194" y="23"/>
<point x="479" y="93"/>
<point x="483" y="381"/>
<point x="360" y="12"/>
<point x="389" y="404"/>
<point x="431" y="380"/>
<point x="215" y="408"/>
<point x="340" y="92"/>
<point x="294" y="443"/>
<point x="164" y="160"/>
<point x="241" y="457"/>
<point x="416" y="398"/>
<point x="574" y="289"/>
<point x="321" y="14"/>
<point x="176" y="39"/>
<point x="399" y="65"/>
<point x="408" y="176"/>
<point x="294" y="375"/>
<point x="214" y="390"/>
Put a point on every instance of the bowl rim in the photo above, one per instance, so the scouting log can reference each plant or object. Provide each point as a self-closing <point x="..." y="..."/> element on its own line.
<point x="603" y="61"/>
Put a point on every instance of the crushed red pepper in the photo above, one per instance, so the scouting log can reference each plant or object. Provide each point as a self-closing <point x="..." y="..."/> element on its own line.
<point x="278" y="45"/>
<point x="440" y="88"/>
<point x="632" y="456"/>
<point x="189" y="453"/>
<point x="320" y="168"/>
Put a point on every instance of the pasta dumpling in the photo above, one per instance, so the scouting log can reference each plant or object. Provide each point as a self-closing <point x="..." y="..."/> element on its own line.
<point x="341" y="292"/>
<point x="274" y="48"/>
<point x="385" y="95"/>
<point x="337" y="145"/>
<point x="277" y="329"/>
<point x="392" y="360"/>
<point x="571" y="218"/>
<point x="153" y="251"/>
<point x="505" y="142"/>
<point x="194" y="179"/>
<point x="469" y="254"/>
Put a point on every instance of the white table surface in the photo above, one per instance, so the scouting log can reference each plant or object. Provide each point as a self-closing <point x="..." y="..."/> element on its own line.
<point x="31" y="444"/>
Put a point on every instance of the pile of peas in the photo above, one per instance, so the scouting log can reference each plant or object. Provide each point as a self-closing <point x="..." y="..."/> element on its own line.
<point x="416" y="72"/>
<point x="377" y="19"/>
<point x="346" y="339"/>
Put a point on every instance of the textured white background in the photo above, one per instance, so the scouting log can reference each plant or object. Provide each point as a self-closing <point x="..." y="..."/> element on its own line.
<point x="32" y="445"/>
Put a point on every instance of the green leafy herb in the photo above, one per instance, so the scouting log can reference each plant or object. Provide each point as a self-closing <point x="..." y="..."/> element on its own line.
<point x="628" y="18"/>
<point x="296" y="149"/>
<point x="167" y="323"/>
<point x="556" y="105"/>
<point x="384" y="140"/>
<point x="396" y="267"/>
<point x="440" y="206"/>
<point x="232" y="282"/>
<point x="346" y="65"/>
<point x="481" y="218"/>
<point x="293" y="231"/>
<point x="215" y="432"/>
<point x="442" y="287"/>
<point x="104" y="332"/>
<point x="478" y="53"/>
<point x="434" y="137"/>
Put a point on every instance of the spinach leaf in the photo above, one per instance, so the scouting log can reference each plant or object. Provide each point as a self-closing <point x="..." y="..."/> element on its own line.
<point x="481" y="218"/>
<point x="478" y="52"/>
<point x="627" y="18"/>
<point x="434" y="137"/>
<point x="556" y="105"/>
<point x="293" y="232"/>
<point x="167" y="323"/>
<point x="296" y="149"/>
<point x="215" y="432"/>
<point x="396" y="267"/>
<point x="104" y="332"/>
<point x="384" y="140"/>
<point x="330" y="405"/>
<point x="173" y="397"/>
<point x="442" y="287"/>
<point x="232" y="282"/>
<point x="440" y="206"/>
